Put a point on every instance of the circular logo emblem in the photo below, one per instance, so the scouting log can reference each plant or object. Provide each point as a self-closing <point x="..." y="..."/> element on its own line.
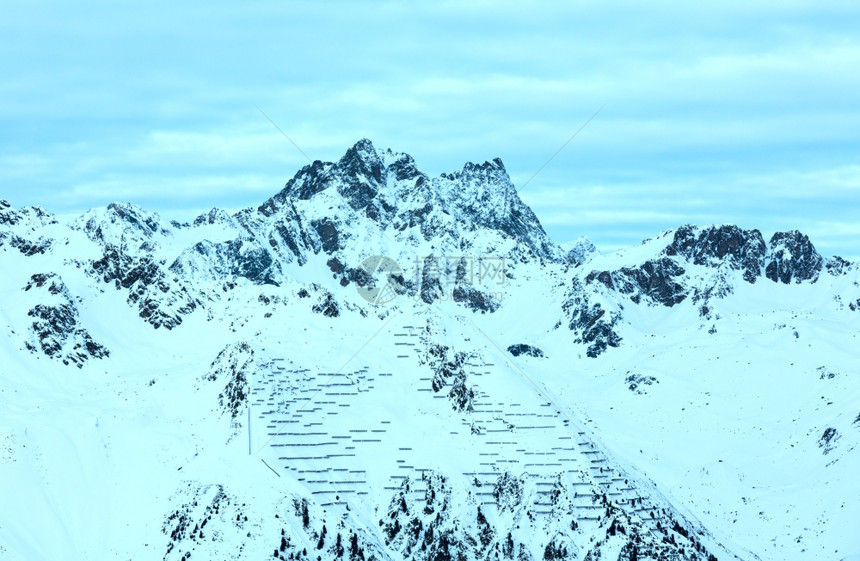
<point x="385" y="279"/>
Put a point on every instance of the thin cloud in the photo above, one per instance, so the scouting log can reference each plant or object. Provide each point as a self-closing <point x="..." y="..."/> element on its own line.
<point x="738" y="111"/>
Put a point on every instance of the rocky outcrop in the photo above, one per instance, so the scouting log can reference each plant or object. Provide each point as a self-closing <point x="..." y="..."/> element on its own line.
<point x="232" y="367"/>
<point x="430" y="288"/>
<point x="740" y="249"/>
<point x="589" y="321"/>
<point x="828" y="439"/>
<point x="384" y="189"/>
<point x="791" y="257"/>
<point x="449" y="371"/>
<point x="655" y="279"/>
<point x="161" y="301"/>
<point x="837" y="266"/>
<point x="213" y="523"/>
<point x="56" y="330"/>
<point x="29" y="218"/>
<point x="28" y="247"/>
<point x="636" y="383"/>
<point x="579" y="251"/>
<point x="523" y="349"/>
<point x="428" y="519"/>
<point x="474" y="299"/>
<point x="327" y="305"/>
<point x="123" y="224"/>
<point x="239" y="258"/>
<point x="23" y="229"/>
<point x="215" y="216"/>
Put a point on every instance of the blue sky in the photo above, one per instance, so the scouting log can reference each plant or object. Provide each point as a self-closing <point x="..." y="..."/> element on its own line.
<point x="731" y="112"/>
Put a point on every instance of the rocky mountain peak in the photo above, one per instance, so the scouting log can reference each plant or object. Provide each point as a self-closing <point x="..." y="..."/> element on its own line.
<point x="484" y="195"/>
<point x="792" y="257"/>
<point x="33" y="216"/>
<point x="402" y="166"/>
<point x="387" y="189"/>
<point x="121" y="223"/>
<point x="579" y="250"/>
<point x="357" y="176"/>
<point x="362" y="174"/>
<point x="215" y="216"/>
<point x="740" y="249"/>
<point x="362" y="154"/>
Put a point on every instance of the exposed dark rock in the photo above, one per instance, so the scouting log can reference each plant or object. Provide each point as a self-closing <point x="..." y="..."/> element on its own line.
<point x="284" y="231"/>
<point x="132" y="215"/>
<point x="719" y="287"/>
<point x="741" y="249"/>
<point x="636" y="381"/>
<point x="462" y="396"/>
<point x="125" y="225"/>
<point x="597" y="334"/>
<point x="335" y="266"/>
<point x="404" y="169"/>
<point x="523" y="349"/>
<point x="837" y="266"/>
<point x="161" y="302"/>
<point x="474" y="299"/>
<point x="362" y="278"/>
<point x="580" y="251"/>
<point x="448" y="370"/>
<point x="434" y="526"/>
<point x="654" y="279"/>
<point x="125" y="270"/>
<point x="554" y="551"/>
<point x="214" y="216"/>
<point x="590" y="322"/>
<point x="792" y="257"/>
<point x="254" y="264"/>
<point x="362" y="174"/>
<point x="5" y="214"/>
<point x="30" y="247"/>
<point x="508" y="492"/>
<point x="828" y="440"/>
<point x="309" y="181"/>
<point x="444" y="368"/>
<point x="56" y="331"/>
<point x="53" y="326"/>
<point x="479" y="196"/>
<point x="431" y="285"/>
<point x="234" y="363"/>
<point x="28" y="226"/>
<point x="327" y="306"/>
<point x="40" y="279"/>
<point x="235" y="258"/>
<point x="328" y="234"/>
<point x="33" y="217"/>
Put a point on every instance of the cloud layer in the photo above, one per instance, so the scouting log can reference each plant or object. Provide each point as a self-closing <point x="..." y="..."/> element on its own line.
<point x="743" y="112"/>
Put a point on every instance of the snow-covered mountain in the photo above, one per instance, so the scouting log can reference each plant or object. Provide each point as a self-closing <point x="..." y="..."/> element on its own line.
<point x="379" y="364"/>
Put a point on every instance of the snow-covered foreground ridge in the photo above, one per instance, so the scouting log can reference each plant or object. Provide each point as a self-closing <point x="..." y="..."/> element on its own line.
<point x="375" y="363"/>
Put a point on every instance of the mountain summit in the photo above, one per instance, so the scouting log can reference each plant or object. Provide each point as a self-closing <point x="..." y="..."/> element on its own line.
<point x="385" y="191"/>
